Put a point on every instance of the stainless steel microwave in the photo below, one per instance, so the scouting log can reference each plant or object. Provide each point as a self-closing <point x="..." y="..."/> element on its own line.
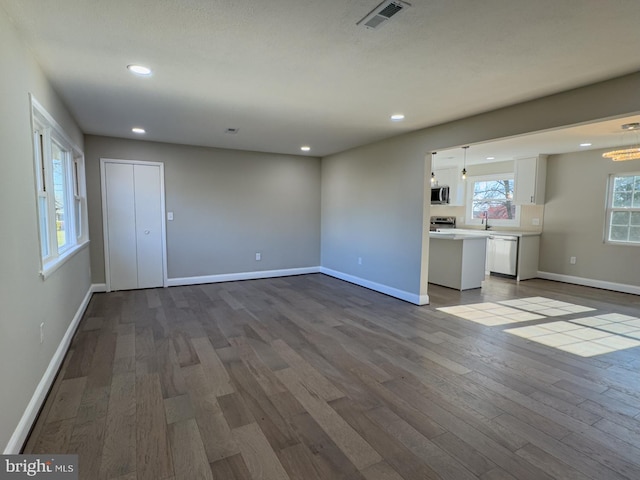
<point x="439" y="195"/>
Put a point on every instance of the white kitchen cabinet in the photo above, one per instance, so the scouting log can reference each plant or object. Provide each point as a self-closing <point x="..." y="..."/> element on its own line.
<point x="530" y="177"/>
<point x="451" y="178"/>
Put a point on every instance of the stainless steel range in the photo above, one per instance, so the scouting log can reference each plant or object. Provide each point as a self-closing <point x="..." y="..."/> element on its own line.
<point x="441" y="223"/>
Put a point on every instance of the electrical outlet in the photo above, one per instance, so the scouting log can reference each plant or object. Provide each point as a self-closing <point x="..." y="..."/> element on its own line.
<point x="169" y="215"/>
<point x="258" y="256"/>
<point x="42" y="332"/>
<point x="535" y="221"/>
<point x="359" y="260"/>
<point x="572" y="260"/>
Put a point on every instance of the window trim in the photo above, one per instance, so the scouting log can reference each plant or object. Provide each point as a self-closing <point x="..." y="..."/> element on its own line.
<point x="609" y="209"/>
<point x="515" y="222"/>
<point x="45" y="130"/>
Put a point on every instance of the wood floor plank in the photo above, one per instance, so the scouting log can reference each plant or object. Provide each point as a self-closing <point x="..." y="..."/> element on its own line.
<point x="306" y="374"/>
<point x="188" y="454"/>
<point x="214" y="430"/>
<point x="119" y="449"/>
<point x="230" y="468"/>
<point x="354" y="446"/>
<point x="213" y="368"/>
<point x="153" y="454"/>
<point x="260" y="458"/>
<point x="67" y="399"/>
<point x="381" y="471"/>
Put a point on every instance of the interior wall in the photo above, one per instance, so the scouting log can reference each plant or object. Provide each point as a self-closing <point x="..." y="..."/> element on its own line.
<point x="227" y="205"/>
<point x="574" y="222"/>
<point x="25" y="299"/>
<point x="372" y="213"/>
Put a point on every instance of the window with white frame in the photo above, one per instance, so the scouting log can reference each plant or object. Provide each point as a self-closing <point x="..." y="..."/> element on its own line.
<point x="60" y="191"/>
<point x="623" y="209"/>
<point x="490" y="200"/>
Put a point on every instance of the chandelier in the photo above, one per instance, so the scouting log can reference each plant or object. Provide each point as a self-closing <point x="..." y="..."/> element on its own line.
<point x="631" y="153"/>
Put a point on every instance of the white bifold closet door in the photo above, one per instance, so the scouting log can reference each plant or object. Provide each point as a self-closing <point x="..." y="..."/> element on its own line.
<point x="134" y="229"/>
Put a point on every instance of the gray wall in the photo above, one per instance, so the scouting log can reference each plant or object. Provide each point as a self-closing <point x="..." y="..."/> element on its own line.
<point x="372" y="208"/>
<point x="575" y="217"/>
<point x="227" y="206"/>
<point x="25" y="299"/>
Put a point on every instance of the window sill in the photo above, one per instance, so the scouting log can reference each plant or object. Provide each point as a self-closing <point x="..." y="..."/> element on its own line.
<point x="53" y="265"/>
<point x="622" y="244"/>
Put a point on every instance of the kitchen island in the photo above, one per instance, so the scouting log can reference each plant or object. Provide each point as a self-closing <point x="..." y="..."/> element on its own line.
<point x="457" y="260"/>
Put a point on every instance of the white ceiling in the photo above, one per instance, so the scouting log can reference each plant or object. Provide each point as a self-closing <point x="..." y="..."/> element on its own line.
<point x="294" y="72"/>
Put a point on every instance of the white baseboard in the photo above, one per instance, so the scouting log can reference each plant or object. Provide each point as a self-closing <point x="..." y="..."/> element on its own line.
<point x="232" y="277"/>
<point x="98" y="288"/>
<point x="33" y="407"/>
<point x="378" y="287"/>
<point x="589" y="282"/>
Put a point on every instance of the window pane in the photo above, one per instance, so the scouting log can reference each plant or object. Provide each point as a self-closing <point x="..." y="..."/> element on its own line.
<point x="620" y="218"/>
<point x="634" y="234"/>
<point x="623" y="184"/>
<point x="621" y="199"/>
<point x="636" y="199"/>
<point x="59" y="187"/>
<point x="619" y="234"/>
<point x="44" y="227"/>
<point x="493" y="199"/>
<point x="635" y="218"/>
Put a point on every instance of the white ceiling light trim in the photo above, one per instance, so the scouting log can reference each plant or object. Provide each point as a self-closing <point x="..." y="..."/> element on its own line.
<point x="138" y="130"/>
<point x="139" y="70"/>
<point x="397" y="117"/>
<point x="305" y="148"/>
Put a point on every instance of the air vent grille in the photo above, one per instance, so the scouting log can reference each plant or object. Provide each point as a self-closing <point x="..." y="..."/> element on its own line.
<point x="383" y="12"/>
<point x="390" y="10"/>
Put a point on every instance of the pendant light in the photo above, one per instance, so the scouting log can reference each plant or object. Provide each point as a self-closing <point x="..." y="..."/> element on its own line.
<point x="433" y="175"/>
<point x="464" y="166"/>
<point x="632" y="153"/>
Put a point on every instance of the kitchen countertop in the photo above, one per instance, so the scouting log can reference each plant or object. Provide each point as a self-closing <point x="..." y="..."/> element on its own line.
<point x="449" y="234"/>
<point x="480" y="233"/>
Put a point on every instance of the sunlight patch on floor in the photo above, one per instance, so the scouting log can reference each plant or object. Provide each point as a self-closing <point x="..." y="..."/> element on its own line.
<point x="574" y="337"/>
<point x="490" y="314"/>
<point x="546" y="306"/>
<point x="587" y="336"/>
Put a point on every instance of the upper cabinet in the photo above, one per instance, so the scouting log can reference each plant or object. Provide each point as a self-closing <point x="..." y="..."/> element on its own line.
<point x="451" y="178"/>
<point x="530" y="176"/>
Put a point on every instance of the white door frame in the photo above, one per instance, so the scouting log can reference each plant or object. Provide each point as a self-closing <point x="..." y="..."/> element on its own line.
<point x="105" y="226"/>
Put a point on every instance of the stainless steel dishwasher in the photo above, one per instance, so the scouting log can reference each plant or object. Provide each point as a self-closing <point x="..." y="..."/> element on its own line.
<point x="503" y="254"/>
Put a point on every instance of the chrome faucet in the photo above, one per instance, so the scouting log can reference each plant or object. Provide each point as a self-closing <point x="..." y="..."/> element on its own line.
<point x="485" y="221"/>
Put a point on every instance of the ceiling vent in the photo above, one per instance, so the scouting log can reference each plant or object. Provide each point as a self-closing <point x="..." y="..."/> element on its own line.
<point x="231" y="131"/>
<point x="383" y="12"/>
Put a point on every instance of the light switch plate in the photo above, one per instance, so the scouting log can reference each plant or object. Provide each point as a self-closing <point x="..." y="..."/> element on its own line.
<point x="169" y="215"/>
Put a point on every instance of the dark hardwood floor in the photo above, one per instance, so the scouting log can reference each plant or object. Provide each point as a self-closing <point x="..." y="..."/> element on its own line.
<point x="309" y="377"/>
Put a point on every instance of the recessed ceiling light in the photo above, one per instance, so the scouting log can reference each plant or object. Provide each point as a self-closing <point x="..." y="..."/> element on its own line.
<point x="491" y="158"/>
<point x="139" y="70"/>
<point x="138" y="130"/>
<point x="585" y="144"/>
<point x="305" y="148"/>
<point x="396" y="117"/>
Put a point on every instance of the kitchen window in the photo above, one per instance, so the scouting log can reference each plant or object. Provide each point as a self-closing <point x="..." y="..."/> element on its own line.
<point x="623" y="209"/>
<point x="490" y="199"/>
<point x="60" y="191"/>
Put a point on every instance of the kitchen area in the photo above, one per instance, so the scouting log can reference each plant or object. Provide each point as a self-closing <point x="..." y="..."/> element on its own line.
<point x="487" y="223"/>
